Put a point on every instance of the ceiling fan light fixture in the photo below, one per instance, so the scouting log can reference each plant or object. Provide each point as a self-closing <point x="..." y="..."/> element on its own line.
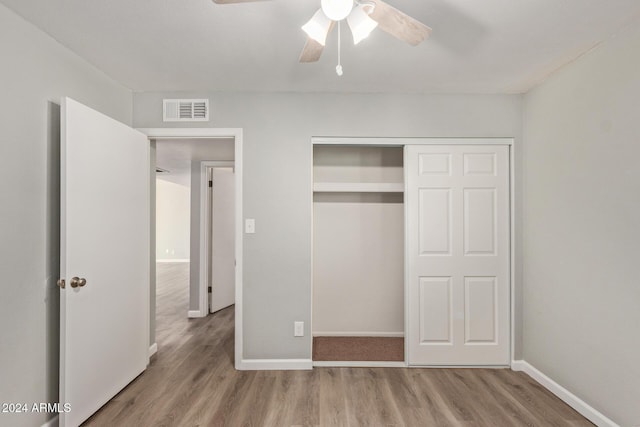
<point x="360" y="23"/>
<point x="318" y="27"/>
<point x="336" y="10"/>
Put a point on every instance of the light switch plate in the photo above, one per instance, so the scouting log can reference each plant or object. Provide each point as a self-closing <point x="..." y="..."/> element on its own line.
<point x="298" y="329"/>
<point x="250" y="226"/>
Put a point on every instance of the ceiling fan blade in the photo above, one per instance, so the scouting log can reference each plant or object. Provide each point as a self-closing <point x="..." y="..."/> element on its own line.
<point x="234" y="1"/>
<point x="399" y="24"/>
<point x="312" y="51"/>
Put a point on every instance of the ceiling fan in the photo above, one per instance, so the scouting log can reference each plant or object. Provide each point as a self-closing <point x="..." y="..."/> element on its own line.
<point x="362" y="16"/>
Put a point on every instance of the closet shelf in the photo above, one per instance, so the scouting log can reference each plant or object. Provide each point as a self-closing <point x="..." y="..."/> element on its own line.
<point x="358" y="187"/>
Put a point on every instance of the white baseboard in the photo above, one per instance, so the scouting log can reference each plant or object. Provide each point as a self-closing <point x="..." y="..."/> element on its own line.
<point x="53" y="422"/>
<point x="274" y="365"/>
<point x="350" y="364"/>
<point x="173" y="260"/>
<point x="359" y="334"/>
<point x="153" y="349"/>
<point x="194" y="314"/>
<point x="569" y="398"/>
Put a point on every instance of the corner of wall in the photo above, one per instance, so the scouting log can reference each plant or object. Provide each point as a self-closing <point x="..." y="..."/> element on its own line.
<point x="568" y="397"/>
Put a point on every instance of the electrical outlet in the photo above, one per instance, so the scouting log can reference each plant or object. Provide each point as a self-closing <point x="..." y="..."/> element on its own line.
<point x="298" y="329"/>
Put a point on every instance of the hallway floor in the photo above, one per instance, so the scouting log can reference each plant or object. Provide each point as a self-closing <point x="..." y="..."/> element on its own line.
<point x="191" y="382"/>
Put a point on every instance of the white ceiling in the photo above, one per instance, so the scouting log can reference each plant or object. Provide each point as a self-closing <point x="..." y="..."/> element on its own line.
<point x="477" y="46"/>
<point x="176" y="155"/>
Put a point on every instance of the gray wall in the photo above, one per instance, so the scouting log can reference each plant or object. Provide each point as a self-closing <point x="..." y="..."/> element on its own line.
<point x="277" y="181"/>
<point x="581" y="228"/>
<point x="35" y="73"/>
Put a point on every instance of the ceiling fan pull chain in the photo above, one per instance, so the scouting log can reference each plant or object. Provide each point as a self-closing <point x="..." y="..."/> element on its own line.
<point x="339" y="66"/>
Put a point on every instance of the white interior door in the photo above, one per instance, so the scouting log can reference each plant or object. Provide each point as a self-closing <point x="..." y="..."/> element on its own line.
<point x="223" y="283"/>
<point x="458" y="254"/>
<point x="104" y="325"/>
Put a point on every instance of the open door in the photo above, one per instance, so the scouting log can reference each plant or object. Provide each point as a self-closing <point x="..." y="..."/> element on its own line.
<point x="105" y="258"/>
<point x="223" y="275"/>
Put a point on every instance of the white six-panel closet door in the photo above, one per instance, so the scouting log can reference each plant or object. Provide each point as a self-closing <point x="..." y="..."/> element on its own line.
<point x="458" y="287"/>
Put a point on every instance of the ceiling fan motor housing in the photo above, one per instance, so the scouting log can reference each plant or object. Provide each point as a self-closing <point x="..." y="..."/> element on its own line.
<point x="336" y="10"/>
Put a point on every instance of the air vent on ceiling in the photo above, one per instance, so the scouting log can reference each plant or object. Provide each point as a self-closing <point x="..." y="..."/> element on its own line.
<point x="185" y="110"/>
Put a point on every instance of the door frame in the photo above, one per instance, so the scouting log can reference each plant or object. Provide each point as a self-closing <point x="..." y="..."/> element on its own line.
<point x="205" y="224"/>
<point x="401" y="142"/>
<point x="207" y="133"/>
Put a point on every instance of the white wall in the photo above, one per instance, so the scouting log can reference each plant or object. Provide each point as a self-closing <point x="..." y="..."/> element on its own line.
<point x="581" y="228"/>
<point x="173" y="202"/>
<point x="358" y="265"/>
<point x="277" y="181"/>
<point x="35" y="73"/>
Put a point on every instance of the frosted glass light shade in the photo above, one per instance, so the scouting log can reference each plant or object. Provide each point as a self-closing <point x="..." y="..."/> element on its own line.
<point x="336" y="10"/>
<point x="360" y="23"/>
<point x="318" y="27"/>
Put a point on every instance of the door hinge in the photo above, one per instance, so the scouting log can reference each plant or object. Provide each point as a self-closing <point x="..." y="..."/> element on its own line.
<point x="210" y="289"/>
<point x="210" y="184"/>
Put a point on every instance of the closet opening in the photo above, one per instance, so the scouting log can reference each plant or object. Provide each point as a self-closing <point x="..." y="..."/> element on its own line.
<point x="412" y="249"/>
<point x="358" y="254"/>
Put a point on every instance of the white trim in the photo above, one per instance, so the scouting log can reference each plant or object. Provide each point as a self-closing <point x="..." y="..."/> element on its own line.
<point x="359" y="334"/>
<point x="53" y="422"/>
<point x="274" y="365"/>
<point x="358" y="187"/>
<point x="569" y="398"/>
<point x="364" y="364"/>
<point x="458" y="366"/>
<point x="153" y="349"/>
<point x="191" y="133"/>
<point x="408" y="141"/>
<point x="239" y="165"/>
<point x="172" y="260"/>
<point x="195" y="314"/>
<point x="517" y="365"/>
<point x="512" y="251"/>
<point x="407" y="279"/>
<point x="204" y="236"/>
<point x="237" y="135"/>
<point x="311" y="251"/>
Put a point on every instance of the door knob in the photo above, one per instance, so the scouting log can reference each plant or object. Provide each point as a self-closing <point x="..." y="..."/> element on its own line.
<point x="61" y="283"/>
<point x="78" y="281"/>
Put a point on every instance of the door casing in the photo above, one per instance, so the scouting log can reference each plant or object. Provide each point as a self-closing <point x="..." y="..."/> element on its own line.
<point x="207" y="133"/>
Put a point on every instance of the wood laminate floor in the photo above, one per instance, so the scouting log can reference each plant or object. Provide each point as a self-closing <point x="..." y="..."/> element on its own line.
<point x="191" y="382"/>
